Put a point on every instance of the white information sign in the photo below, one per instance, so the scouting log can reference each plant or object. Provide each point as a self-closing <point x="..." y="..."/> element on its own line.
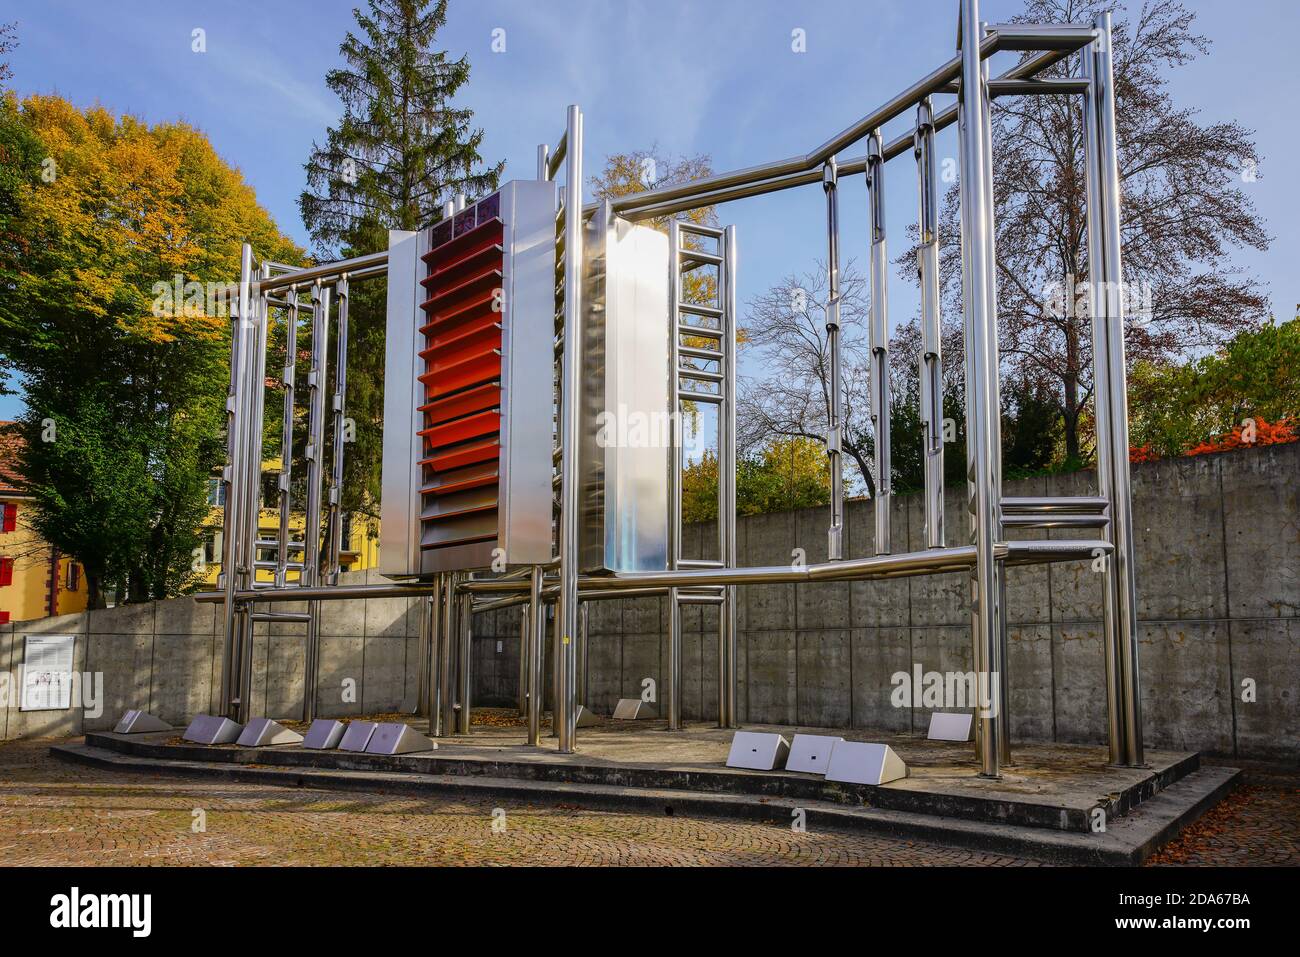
<point x="47" y="673"/>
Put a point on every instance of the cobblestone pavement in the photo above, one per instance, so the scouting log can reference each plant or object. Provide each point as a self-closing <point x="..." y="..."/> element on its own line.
<point x="1257" y="824"/>
<point x="54" y="813"/>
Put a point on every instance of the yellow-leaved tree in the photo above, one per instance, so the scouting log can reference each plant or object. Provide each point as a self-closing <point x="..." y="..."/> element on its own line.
<point x="116" y="246"/>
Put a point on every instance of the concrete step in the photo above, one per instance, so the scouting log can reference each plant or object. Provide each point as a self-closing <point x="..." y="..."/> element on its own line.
<point x="1127" y="841"/>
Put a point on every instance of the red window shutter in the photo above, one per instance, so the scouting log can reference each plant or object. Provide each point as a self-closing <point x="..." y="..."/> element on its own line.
<point x="6" y="571"/>
<point x="10" y="517"/>
<point x="4" y="617"/>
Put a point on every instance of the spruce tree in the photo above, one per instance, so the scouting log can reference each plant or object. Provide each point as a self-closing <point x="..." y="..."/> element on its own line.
<point x="399" y="152"/>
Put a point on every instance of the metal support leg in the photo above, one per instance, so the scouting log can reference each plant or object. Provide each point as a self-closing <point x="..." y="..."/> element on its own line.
<point x="834" y="439"/>
<point x="930" y="371"/>
<point x="251" y="509"/>
<point x="447" y="656"/>
<point x="536" y="616"/>
<point x="465" y="665"/>
<point x="232" y="483"/>
<point x="433" y="678"/>
<point x="727" y="518"/>
<point x="983" y="436"/>
<point x="878" y="327"/>
<point x="1123" y="695"/>
<point x="571" y="429"/>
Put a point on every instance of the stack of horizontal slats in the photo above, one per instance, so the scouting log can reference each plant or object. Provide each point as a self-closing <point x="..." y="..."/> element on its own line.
<point x="462" y="379"/>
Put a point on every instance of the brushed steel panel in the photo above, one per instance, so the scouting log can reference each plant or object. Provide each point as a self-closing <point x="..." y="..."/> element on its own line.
<point x="624" y="455"/>
<point x="399" y="511"/>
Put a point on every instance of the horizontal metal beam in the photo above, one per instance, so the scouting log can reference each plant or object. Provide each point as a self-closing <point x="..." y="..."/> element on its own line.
<point x="1036" y="505"/>
<point x="1055" y="44"/>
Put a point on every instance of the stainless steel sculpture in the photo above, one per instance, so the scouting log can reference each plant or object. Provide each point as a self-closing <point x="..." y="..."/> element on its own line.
<point x="558" y="317"/>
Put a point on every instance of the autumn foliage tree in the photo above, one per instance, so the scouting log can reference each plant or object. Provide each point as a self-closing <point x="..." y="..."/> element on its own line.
<point x="124" y="383"/>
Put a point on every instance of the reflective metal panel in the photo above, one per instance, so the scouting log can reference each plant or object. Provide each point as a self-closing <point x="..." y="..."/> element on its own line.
<point x="624" y="453"/>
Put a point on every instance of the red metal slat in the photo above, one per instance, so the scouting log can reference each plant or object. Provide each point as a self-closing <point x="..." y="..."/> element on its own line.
<point x="461" y="456"/>
<point x="462" y="430"/>
<point x="443" y="301"/>
<point x="478" y="307"/>
<point x="462" y="403"/>
<point x="453" y="273"/>
<point x="472" y="370"/>
<point x="479" y="336"/>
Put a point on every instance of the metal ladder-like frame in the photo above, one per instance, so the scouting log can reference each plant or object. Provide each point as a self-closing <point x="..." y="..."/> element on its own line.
<point x="691" y="362"/>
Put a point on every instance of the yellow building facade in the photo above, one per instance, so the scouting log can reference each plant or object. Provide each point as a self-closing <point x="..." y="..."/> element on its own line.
<point x="35" y="580"/>
<point x="359" y="551"/>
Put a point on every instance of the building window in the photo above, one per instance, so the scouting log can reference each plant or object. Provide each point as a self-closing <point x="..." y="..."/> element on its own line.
<point x="212" y="548"/>
<point x="74" y="576"/>
<point x="216" y="492"/>
<point x="9" y="519"/>
<point x="4" y="617"/>
<point x="6" y="571"/>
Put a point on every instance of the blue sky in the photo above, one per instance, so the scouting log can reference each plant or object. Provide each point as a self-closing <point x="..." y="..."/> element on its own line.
<point x="717" y="78"/>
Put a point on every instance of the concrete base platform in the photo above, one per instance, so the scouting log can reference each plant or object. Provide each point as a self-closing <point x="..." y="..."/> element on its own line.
<point x="1047" y="805"/>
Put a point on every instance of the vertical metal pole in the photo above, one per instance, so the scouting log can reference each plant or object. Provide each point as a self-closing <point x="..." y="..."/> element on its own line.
<point x="835" y="534"/>
<point x="464" y="671"/>
<point x="571" y="430"/>
<point x="584" y="619"/>
<point x="675" y="443"/>
<point x="286" y="437"/>
<point x="727" y="612"/>
<point x="878" y="340"/>
<point x="232" y="481"/>
<point x="447" y="657"/>
<point x="543" y="161"/>
<point x="982" y="418"/>
<point x="315" y="455"/>
<point x="432" y="678"/>
<point x="930" y="372"/>
<point x="536" y="655"/>
<point x="1001" y="688"/>
<point x="338" y="402"/>
<point x="1123" y="698"/>
<point x="523" y="662"/>
<point x="252" y="490"/>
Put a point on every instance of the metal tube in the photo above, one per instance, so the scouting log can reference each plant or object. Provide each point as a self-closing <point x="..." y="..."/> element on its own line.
<point x="521" y="683"/>
<point x="727" y="614"/>
<point x="878" y="341"/>
<point x="571" y="432"/>
<point x="929" y="561"/>
<point x="835" y="534"/>
<point x="446" y="656"/>
<point x="286" y="439"/>
<point x="324" y="271"/>
<point x="231" y="480"/>
<point x="465" y="664"/>
<point x="980" y="315"/>
<point x="252" y="490"/>
<point x="1123" y="700"/>
<point x="930" y="362"/>
<point x="433" y="663"/>
<point x="339" y="399"/>
<point x="584" y="619"/>
<point x="536" y="616"/>
<point x="543" y="167"/>
<point x="310" y="575"/>
<point x="557" y="157"/>
<point x="675" y="443"/>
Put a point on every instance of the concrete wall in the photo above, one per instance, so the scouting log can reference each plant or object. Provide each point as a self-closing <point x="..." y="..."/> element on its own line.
<point x="166" y="657"/>
<point x="1218" y="566"/>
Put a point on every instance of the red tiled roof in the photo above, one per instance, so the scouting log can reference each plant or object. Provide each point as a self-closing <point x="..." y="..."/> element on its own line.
<point x="11" y="443"/>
